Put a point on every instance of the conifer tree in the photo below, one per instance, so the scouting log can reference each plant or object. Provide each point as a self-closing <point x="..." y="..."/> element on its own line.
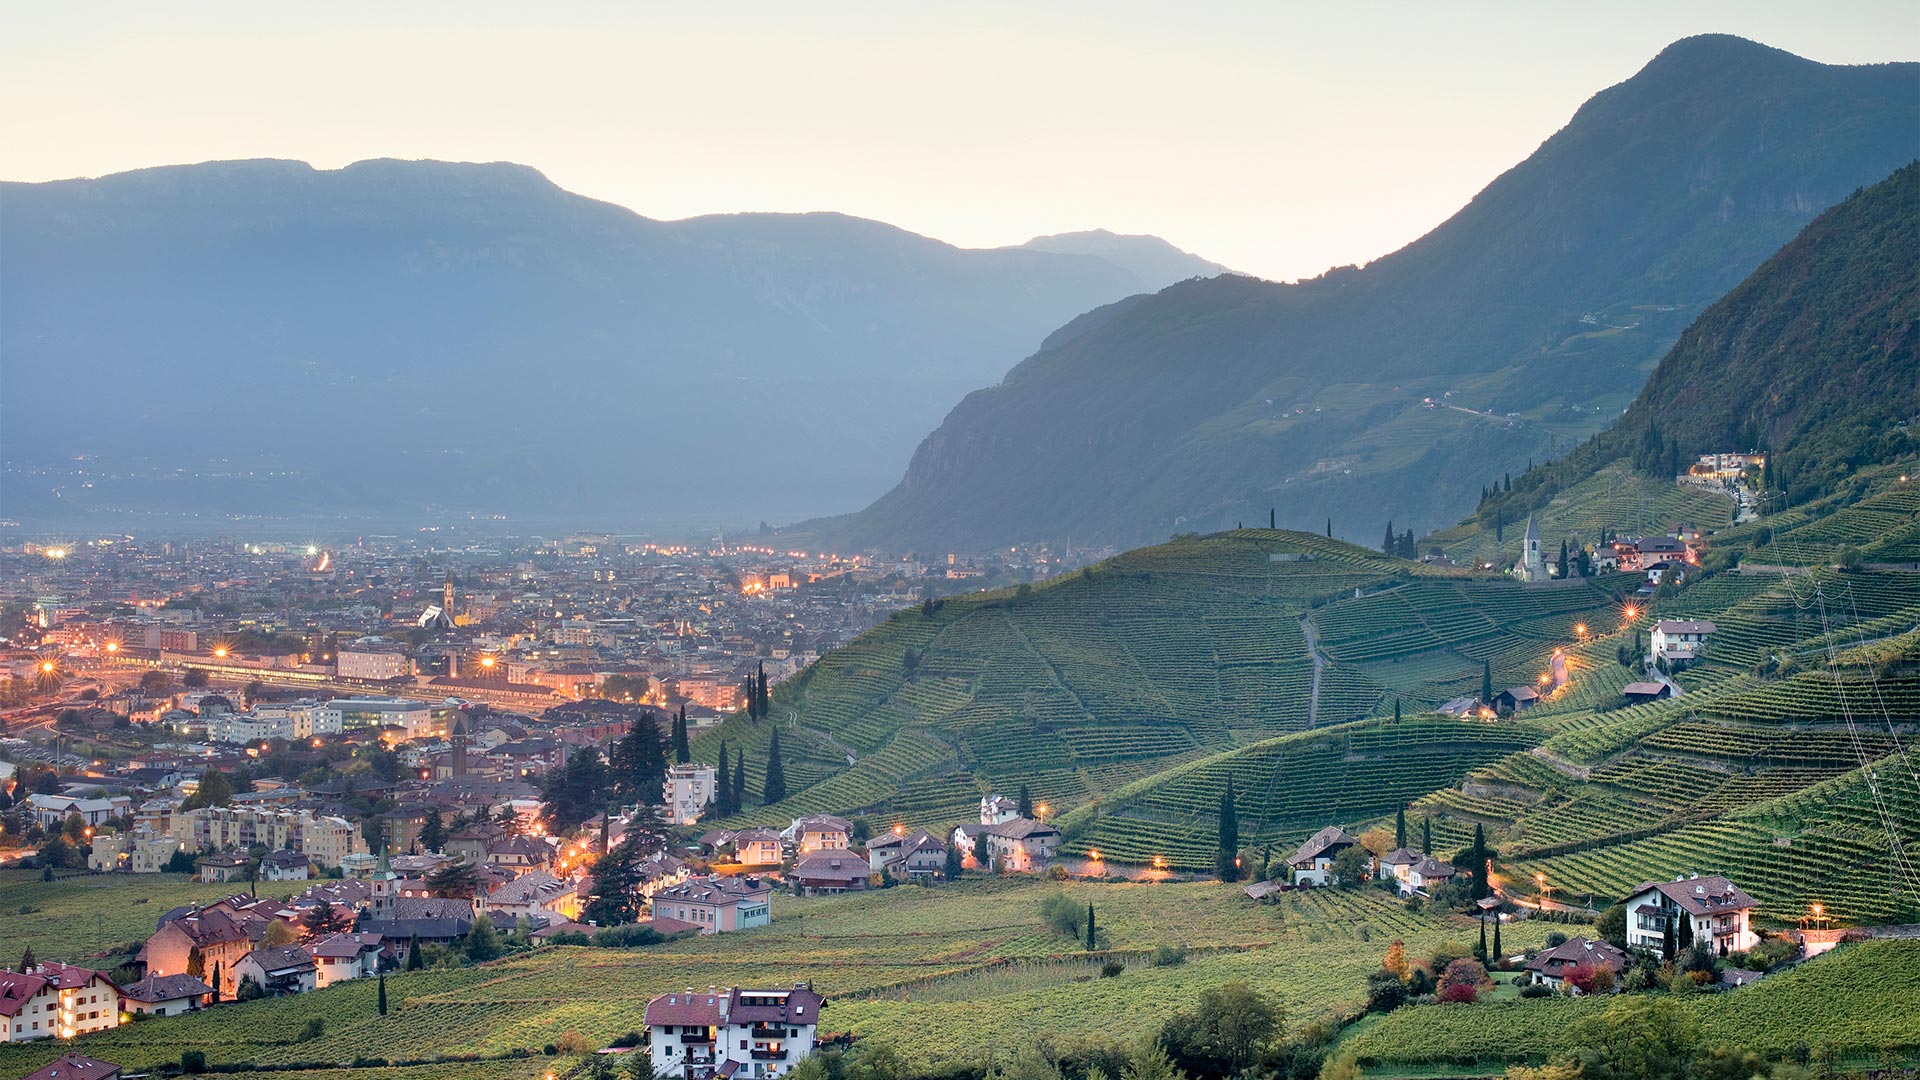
<point x="1426" y="835"/>
<point x="1229" y="835"/>
<point x="1329" y="528"/>
<point x="1400" y="827"/>
<point x="1396" y="710"/>
<point x="981" y="857"/>
<point x="1486" y="682"/>
<point x="414" y="960"/>
<point x="956" y="863"/>
<point x="739" y="780"/>
<point x="27" y="961"/>
<point x="1481" y="887"/>
<point x="774" y="787"/>
<point x="382" y="1006"/>
<point x="1026" y="802"/>
<point x="1480" y="950"/>
<point x="1563" y="560"/>
<point x="1089" y="926"/>
<point x="723" y="783"/>
<point x="1497" y="951"/>
<point x="1392" y="543"/>
<point x="682" y="753"/>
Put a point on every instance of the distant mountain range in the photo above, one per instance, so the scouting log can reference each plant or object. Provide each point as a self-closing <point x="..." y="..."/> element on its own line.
<point x="398" y="339"/>
<point x="1512" y="331"/>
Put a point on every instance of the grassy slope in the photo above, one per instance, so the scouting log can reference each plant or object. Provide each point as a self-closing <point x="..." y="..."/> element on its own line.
<point x="82" y="915"/>
<point x="947" y="972"/>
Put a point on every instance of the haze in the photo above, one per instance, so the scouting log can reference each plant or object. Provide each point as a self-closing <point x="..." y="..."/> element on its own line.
<point x="1277" y="141"/>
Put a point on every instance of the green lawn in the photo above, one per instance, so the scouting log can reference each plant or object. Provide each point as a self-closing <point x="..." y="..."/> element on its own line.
<point x="81" y="915"/>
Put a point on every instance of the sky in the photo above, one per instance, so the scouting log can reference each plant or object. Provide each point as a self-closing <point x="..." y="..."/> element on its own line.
<point x="1277" y="138"/>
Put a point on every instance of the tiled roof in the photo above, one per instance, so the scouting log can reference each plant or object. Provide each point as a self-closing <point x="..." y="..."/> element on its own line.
<point x="165" y="988"/>
<point x="1318" y="843"/>
<point x="75" y="1067"/>
<point x="686" y="1008"/>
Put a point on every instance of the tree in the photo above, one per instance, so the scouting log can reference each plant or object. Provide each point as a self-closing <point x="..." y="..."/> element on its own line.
<point x="1026" y="802"/>
<point x="1400" y="827"/>
<point x="278" y="933"/>
<point x="155" y="682"/>
<point x="1225" y="1033"/>
<point x="1152" y="1063"/>
<point x="414" y="959"/>
<point x="1638" y="1036"/>
<point x="739" y="780"/>
<point x="1090" y="934"/>
<point x="982" y="857"/>
<point x="1329" y="528"/>
<point x="1391" y="545"/>
<point x="455" y="881"/>
<point x="214" y="790"/>
<point x="26" y="961"/>
<point x="482" y="942"/>
<point x="1480" y="950"/>
<point x="577" y="790"/>
<point x="1612" y="926"/>
<point x="1563" y="560"/>
<point x="1426" y="835"/>
<point x="324" y="919"/>
<point x="1486" y="682"/>
<point x="1396" y="710"/>
<point x="773" y="787"/>
<point x="433" y="835"/>
<point x="194" y="678"/>
<point x="1477" y="863"/>
<point x="1498" y="951"/>
<point x="381" y="1003"/>
<point x="956" y="862"/>
<point x="639" y="764"/>
<point x="1229" y="849"/>
<point x="682" y="753"/>
<point x="1685" y="939"/>
<point x="1396" y="961"/>
<point x="1059" y="911"/>
<point x="723" y="784"/>
<point x="1349" y="869"/>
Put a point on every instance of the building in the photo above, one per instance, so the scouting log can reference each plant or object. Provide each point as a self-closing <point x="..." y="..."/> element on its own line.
<point x="225" y="867"/>
<point x="52" y="811"/>
<point x="1429" y="874"/>
<point x="535" y="895"/>
<point x="821" y="832"/>
<point x="1680" y="639"/>
<point x="716" y="905"/>
<point x="688" y="792"/>
<point x="1727" y="466"/>
<point x="56" y="1000"/>
<point x="732" y="1033"/>
<point x="285" y="969"/>
<point x="373" y="661"/>
<point x="1640" y="693"/>
<point x="829" y="872"/>
<point x="1551" y="967"/>
<point x="1313" y="863"/>
<point x="1532" y="566"/>
<point x="219" y="939"/>
<point x="285" y="866"/>
<point x="1714" y="909"/>
<point x="345" y="956"/>
<point x="131" y="852"/>
<point x="1516" y="698"/>
<point x="413" y="717"/>
<point x="164" y="995"/>
<point x="75" y="1067"/>
<point x="758" y="847"/>
<point x="918" y="854"/>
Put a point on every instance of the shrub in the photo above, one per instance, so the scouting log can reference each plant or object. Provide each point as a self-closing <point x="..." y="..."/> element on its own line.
<point x="193" y="1061"/>
<point x="1063" y="913"/>
<point x="1463" y="972"/>
<point x="1536" y="990"/>
<point x="1385" y="992"/>
<point x="1167" y="955"/>
<point x="1111" y="968"/>
<point x="1556" y="939"/>
<point x="572" y="1042"/>
<point x="1459" y="994"/>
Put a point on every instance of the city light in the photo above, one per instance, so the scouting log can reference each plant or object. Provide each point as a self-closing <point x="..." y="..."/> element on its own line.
<point x="1041" y="809"/>
<point x="1632" y="612"/>
<point x="113" y="646"/>
<point x="56" y="553"/>
<point x="1580" y="628"/>
<point x="220" y="651"/>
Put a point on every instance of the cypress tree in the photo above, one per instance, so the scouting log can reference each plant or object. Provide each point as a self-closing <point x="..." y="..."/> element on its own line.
<point x="1026" y="802"/>
<point x="1392" y="541"/>
<point x="1396" y="710"/>
<point x="1229" y="834"/>
<point x="1497" y="951"/>
<point x="414" y="960"/>
<point x="383" y="994"/>
<point x="1480" y="950"/>
<point x="1426" y="835"/>
<point x="739" y="780"/>
<point x="956" y="862"/>
<point x="1686" y="932"/>
<point x="1400" y="827"/>
<point x="1486" y="682"/>
<point x="1666" y="940"/>
<point x="1089" y="926"/>
<point x="774" y="787"/>
<point x="1481" y="888"/>
<point x="981" y="857"/>
<point x="1329" y="528"/>
<point x="1563" y="560"/>
<point x="682" y="753"/>
<point x="1273" y="518"/>
<point x="723" y="783"/>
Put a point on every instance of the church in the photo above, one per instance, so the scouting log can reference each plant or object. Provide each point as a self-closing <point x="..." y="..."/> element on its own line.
<point x="1532" y="566"/>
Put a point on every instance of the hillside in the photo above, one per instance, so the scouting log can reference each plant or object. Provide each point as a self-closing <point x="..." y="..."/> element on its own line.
<point x="410" y="307"/>
<point x="1812" y="357"/>
<point x="1528" y="319"/>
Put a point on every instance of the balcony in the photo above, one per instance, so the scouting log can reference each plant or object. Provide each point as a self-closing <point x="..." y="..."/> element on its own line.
<point x="769" y="1055"/>
<point x="704" y="1038"/>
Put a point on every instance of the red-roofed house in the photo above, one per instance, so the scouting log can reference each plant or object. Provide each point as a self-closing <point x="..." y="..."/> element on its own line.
<point x="75" y="1067"/>
<point x="1718" y="911"/>
<point x="733" y="1032"/>
<point x="56" y="1000"/>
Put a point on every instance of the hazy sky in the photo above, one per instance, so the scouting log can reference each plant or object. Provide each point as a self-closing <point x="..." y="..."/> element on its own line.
<point x="1280" y="139"/>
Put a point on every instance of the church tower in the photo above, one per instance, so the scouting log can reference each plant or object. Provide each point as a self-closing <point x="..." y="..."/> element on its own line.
<point x="446" y="596"/>
<point x="459" y="738"/>
<point x="1532" y="565"/>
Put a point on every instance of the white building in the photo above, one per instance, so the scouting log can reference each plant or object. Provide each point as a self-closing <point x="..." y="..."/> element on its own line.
<point x="688" y="792"/>
<point x="415" y="717"/>
<point x="1533" y="562"/>
<point x="1680" y="638"/>
<point x="1313" y="863"/>
<point x="375" y="661"/>
<point x="51" y="811"/>
<point x="56" y="1001"/>
<point x="733" y="1032"/>
<point x="1717" y="911"/>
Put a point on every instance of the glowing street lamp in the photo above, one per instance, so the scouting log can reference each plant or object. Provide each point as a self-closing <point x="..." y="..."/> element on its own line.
<point x="1580" y="629"/>
<point x="220" y="651"/>
<point x="46" y="666"/>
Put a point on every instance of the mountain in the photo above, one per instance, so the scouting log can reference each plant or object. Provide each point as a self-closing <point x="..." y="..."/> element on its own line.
<point x="1513" y="330"/>
<point x="1814" y="357"/>
<point x="401" y="337"/>
<point x="1149" y="257"/>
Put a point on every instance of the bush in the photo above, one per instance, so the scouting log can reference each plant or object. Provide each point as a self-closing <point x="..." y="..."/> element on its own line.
<point x="1111" y="969"/>
<point x="315" y="1028"/>
<point x="1536" y="990"/>
<point x="1063" y="913"/>
<point x="1459" y="994"/>
<point x="1167" y="956"/>
<point x="193" y="1061"/>
<point x="1385" y="992"/>
<point x="1556" y="939"/>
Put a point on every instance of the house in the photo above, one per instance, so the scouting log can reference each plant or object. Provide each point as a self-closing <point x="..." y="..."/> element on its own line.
<point x="1016" y="845"/>
<point x="918" y="854"/>
<point x="56" y="1000"/>
<point x="164" y="995"/>
<point x="821" y="832"/>
<point x="1516" y="699"/>
<point x="220" y="940"/>
<point x="1680" y="639"/>
<point x="1428" y="874"/>
<point x="716" y="904"/>
<point x="688" y="791"/>
<point x="1399" y="863"/>
<point x="757" y="847"/>
<point x="828" y="872"/>
<point x="341" y="957"/>
<point x="1640" y="693"/>
<point x="52" y="811"/>
<point x="1460" y="707"/>
<point x="534" y="896"/>
<point x="1550" y="967"/>
<point x="1715" y="909"/>
<point x="732" y="1033"/>
<point x="285" y="969"/>
<point x="285" y="866"/>
<point x="995" y="809"/>
<point x="130" y="852"/>
<point x="230" y="866"/>
<point x="1313" y="863"/>
<point x="75" y="1067"/>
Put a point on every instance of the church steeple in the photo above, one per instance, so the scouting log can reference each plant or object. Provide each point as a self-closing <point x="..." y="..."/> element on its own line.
<point x="446" y="596"/>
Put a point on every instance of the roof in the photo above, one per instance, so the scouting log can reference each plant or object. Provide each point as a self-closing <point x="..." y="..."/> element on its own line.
<point x="796" y="1006"/>
<point x="281" y="958"/>
<point x="832" y="866"/>
<point x="67" y="976"/>
<point x="663" y="925"/>
<point x="1634" y="688"/>
<point x="1332" y="836"/>
<point x="1574" y="952"/>
<point x="1700" y="895"/>
<point x="1683" y="626"/>
<point x="165" y="988"/>
<point x="1430" y="867"/>
<point x="1520" y="693"/>
<point x="688" y="1008"/>
<point x="338" y="947"/>
<point x="75" y="1067"/>
<point x="1401" y="856"/>
<point x="716" y="890"/>
<point x="820" y="823"/>
<point x="1020" y="829"/>
<point x="16" y="990"/>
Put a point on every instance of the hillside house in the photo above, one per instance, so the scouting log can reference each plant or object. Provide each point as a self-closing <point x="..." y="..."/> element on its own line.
<point x="732" y="1033"/>
<point x="75" y="1067"/>
<point x="905" y="855"/>
<point x="995" y="809"/>
<point x="1516" y="698"/>
<point x="689" y="790"/>
<point x="283" y="969"/>
<point x="221" y="941"/>
<point x="1680" y="641"/>
<point x="343" y="957"/>
<point x="758" y="847"/>
<point x="535" y="896"/>
<point x="1429" y="874"/>
<point x="164" y="995"/>
<point x="1015" y="846"/>
<point x="1716" y="910"/>
<point x="821" y="832"/>
<point x="716" y="905"/>
<point x="1312" y="864"/>
<point x="285" y="866"/>
<point x="1551" y="967"/>
<point x="56" y="1000"/>
<point x="1640" y="693"/>
<point x="826" y="873"/>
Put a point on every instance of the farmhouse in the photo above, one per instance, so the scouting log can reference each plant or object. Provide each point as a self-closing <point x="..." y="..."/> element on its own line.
<point x="280" y="970"/>
<point x="341" y="957"/>
<point x="733" y="1032"/>
<point x="918" y="854"/>
<point x="716" y="904"/>
<point x="75" y="1067"/>
<point x="1712" y="909"/>
<point x="1516" y="699"/>
<point x="1680" y="639"/>
<point x="1639" y="693"/>
<point x="1552" y="966"/>
<point x="1313" y="863"/>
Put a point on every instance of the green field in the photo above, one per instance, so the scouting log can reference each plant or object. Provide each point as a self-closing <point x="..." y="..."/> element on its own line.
<point x="80" y="916"/>
<point x="948" y="972"/>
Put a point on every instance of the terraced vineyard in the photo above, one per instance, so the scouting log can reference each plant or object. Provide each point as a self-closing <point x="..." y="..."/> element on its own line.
<point x="1615" y="498"/>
